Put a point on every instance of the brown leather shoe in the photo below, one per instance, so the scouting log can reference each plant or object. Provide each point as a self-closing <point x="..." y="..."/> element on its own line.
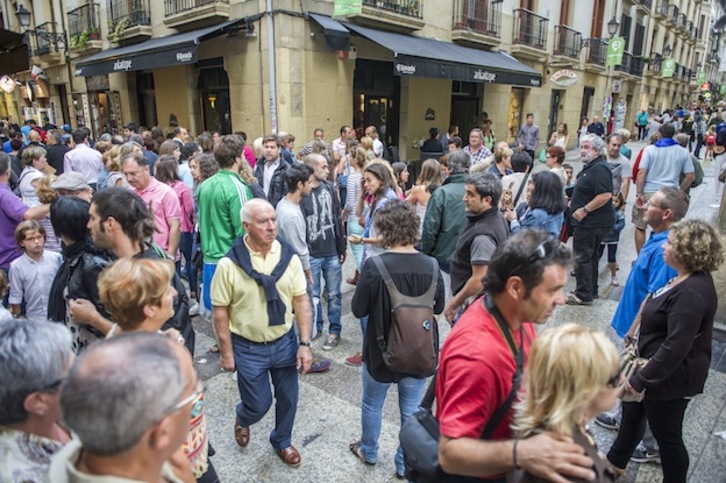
<point x="241" y="435"/>
<point x="290" y="456"/>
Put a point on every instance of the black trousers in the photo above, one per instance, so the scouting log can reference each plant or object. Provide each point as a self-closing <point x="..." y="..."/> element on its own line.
<point x="666" y="422"/>
<point x="586" y="246"/>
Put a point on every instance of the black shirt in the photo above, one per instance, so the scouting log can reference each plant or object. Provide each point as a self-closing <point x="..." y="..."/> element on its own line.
<point x="55" y="155"/>
<point x="411" y="273"/>
<point x="675" y="333"/>
<point x="594" y="179"/>
<point x="323" y="221"/>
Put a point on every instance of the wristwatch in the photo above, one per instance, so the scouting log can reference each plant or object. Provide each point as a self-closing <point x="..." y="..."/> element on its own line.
<point x="305" y="344"/>
<point x="584" y="208"/>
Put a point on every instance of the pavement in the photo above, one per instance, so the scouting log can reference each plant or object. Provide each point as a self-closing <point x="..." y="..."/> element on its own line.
<point x="328" y="416"/>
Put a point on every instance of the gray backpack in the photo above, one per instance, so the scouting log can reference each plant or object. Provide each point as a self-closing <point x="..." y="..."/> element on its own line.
<point x="411" y="346"/>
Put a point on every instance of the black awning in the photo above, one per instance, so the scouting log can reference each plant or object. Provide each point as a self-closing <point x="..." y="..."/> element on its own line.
<point x="166" y="51"/>
<point x="14" y="55"/>
<point x="336" y="35"/>
<point x="426" y="57"/>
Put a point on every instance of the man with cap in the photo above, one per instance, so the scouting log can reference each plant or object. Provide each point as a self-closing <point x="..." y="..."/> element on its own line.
<point x="73" y="183"/>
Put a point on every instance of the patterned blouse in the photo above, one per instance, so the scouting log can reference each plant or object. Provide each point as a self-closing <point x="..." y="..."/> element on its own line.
<point x="24" y="457"/>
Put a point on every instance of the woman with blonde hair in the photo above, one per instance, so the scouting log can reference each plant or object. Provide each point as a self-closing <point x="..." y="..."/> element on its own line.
<point x="366" y="143"/>
<point x="112" y="162"/>
<point x="572" y="375"/>
<point x="427" y="182"/>
<point x="245" y="172"/>
<point x="675" y="334"/>
<point x="139" y="295"/>
<point x="502" y="162"/>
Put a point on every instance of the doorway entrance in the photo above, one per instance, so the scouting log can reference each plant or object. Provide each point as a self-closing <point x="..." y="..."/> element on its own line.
<point x="587" y="96"/>
<point x="376" y="94"/>
<point x="555" y="102"/>
<point x="214" y="90"/>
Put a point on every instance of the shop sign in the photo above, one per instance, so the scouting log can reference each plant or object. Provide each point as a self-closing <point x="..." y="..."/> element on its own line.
<point x="701" y="77"/>
<point x="485" y="76"/>
<point x="722" y="89"/>
<point x="413" y="66"/>
<point x="616" y="48"/>
<point x="564" y="78"/>
<point x="405" y="69"/>
<point x="343" y="8"/>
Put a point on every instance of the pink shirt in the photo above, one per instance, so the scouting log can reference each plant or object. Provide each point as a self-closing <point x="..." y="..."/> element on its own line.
<point x="186" y="202"/>
<point x="164" y="205"/>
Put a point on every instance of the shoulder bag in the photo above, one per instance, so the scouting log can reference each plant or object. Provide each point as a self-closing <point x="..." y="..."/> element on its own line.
<point x="420" y="434"/>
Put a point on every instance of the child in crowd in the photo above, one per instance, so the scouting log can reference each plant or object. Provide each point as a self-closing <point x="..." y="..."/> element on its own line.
<point x="5" y="315"/>
<point x="569" y="178"/>
<point x="611" y="239"/>
<point x="32" y="274"/>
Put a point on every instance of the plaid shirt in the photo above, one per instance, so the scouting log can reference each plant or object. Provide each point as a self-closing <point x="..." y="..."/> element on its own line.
<point x="478" y="156"/>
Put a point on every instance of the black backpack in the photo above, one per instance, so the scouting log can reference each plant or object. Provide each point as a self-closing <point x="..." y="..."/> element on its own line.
<point x="412" y="343"/>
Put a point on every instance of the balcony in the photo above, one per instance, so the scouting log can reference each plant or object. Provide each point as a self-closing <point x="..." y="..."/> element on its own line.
<point x="45" y="45"/>
<point x="568" y="42"/>
<point x="597" y="49"/>
<point x="654" y="65"/>
<point x="683" y="24"/>
<point x="672" y="15"/>
<point x="631" y="65"/>
<point x="129" y="21"/>
<point x="194" y="14"/>
<point x="84" y="29"/>
<point x="399" y="15"/>
<point x="478" y="22"/>
<point x="530" y="35"/>
<point x="644" y="5"/>
<point x="661" y="10"/>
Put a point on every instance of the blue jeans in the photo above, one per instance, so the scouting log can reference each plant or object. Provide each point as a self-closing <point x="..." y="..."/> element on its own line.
<point x="208" y="270"/>
<point x="256" y="363"/>
<point x="410" y="393"/>
<point x="354" y="228"/>
<point x="333" y="273"/>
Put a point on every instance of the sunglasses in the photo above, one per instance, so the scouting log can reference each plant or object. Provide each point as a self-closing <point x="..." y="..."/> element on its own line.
<point x="543" y="251"/>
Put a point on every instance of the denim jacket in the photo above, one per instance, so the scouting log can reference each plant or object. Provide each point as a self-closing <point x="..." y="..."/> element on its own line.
<point x="539" y="218"/>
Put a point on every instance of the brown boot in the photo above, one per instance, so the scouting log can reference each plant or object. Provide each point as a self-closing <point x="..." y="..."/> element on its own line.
<point x="354" y="280"/>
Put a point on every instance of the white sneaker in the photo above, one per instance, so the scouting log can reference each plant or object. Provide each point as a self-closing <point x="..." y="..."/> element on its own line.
<point x="194" y="309"/>
<point x="615" y="281"/>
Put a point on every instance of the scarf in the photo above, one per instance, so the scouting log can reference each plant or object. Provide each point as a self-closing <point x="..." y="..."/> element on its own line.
<point x="665" y="143"/>
<point x="56" y="300"/>
<point x="240" y="254"/>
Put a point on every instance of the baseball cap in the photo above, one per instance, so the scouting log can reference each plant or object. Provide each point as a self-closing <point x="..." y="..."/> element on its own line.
<point x="66" y="128"/>
<point x="70" y="181"/>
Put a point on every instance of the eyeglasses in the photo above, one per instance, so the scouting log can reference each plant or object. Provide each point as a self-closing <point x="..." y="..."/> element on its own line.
<point x="543" y="251"/>
<point x="198" y="391"/>
<point x="650" y="203"/>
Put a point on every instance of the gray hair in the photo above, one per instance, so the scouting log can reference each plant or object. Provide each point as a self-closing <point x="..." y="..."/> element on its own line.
<point x="136" y="138"/>
<point x="682" y="139"/>
<point x="487" y="184"/>
<point x="597" y="143"/>
<point x="34" y="357"/>
<point x="119" y="388"/>
<point x="459" y="162"/>
<point x="251" y="207"/>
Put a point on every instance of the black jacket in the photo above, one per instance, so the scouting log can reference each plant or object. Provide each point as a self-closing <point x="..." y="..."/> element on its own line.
<point x="278" y="185"/>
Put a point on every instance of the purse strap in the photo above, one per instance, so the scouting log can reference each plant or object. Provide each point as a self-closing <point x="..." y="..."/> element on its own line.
<point x="518" y="354"/>
<point x="521" y="188"/>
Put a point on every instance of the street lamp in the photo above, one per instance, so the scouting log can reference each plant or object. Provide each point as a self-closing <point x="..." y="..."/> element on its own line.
<point x="667" y="51"/>
<point x="613" y="25"/>
<point x="23" y="16"/>
<point x="607" y="106"/>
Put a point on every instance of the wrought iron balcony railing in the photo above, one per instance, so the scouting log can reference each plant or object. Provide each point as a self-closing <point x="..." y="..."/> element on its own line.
<point x="655" y="63"/>
<point x="480" y="16"/>
<point x="411" y="8"/>
<point x="127" y="13"/>
<point x="84" y="21"/>
<point x="646" y="3"/>
<point x="597" y="51"/>
<point x="530" y="29"/>
<point x="663" y="8"/>
<point x="568" y="42"/>
<point x="673" y="13"/>
<point x="172" y="7"/>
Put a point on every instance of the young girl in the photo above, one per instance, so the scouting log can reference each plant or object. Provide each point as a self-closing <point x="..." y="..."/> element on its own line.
<point x="583" y="130"/>
<point x="612" y="238"/>
<point x="401" y="175"/>
<point x="710" y="142"/>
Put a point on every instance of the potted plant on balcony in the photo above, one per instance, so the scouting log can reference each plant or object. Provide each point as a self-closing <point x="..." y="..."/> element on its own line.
<point x="115" y="30"/>
<point x="94" y="33"/>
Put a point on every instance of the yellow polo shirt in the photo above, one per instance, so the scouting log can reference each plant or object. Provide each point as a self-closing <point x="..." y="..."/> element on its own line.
<point x="233" y="288"/>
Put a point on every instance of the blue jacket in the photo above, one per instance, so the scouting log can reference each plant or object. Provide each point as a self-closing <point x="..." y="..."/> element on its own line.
<point x="614" y="235"/>
<point x="539" y="218"/>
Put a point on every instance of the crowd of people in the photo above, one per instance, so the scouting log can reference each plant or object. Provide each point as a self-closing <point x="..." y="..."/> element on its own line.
<point x="109" y="248"/>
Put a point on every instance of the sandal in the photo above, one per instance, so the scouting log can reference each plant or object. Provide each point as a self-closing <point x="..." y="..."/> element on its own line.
<point x="355" y="449"/>
<point x="214" y="349"/>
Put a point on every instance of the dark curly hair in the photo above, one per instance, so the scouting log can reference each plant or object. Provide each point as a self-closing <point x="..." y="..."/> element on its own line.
<point x="397" y="224"/>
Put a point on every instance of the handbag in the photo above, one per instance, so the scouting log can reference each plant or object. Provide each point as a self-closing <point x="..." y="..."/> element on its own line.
<point x="630" y="364"/>
<point x="419" y="435"/>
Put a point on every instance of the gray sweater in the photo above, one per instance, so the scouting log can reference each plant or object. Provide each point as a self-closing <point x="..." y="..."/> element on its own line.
<point x="291" y="228"/>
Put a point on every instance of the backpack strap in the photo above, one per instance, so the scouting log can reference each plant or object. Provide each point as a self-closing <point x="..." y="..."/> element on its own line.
<point x="521" y="188"/>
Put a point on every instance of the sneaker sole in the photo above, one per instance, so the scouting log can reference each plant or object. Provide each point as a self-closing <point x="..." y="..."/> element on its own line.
<point x="645" y="459"/>
<point x="607" y="426"/>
